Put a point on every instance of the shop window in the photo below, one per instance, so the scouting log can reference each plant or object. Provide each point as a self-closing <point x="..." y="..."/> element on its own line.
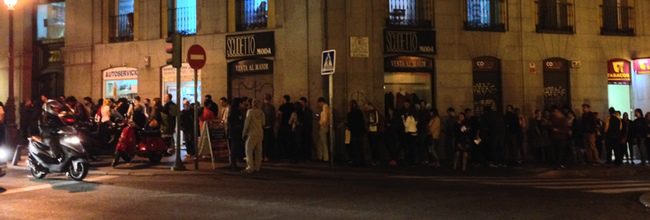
<point x="410" y="13"/>
<point x="555" y="16"/>
<point x="485" y="15"/>
<point x="50" y="21"/>
<point x="185" y="16"/>
<point x="252" y="14"/>
<point x="617" y="17"/>
<point x="121" y="21"/>
<point x="412" y="86"/>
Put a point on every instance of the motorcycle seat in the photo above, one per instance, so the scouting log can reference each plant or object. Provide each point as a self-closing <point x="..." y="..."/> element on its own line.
<point x="149" y="133"/>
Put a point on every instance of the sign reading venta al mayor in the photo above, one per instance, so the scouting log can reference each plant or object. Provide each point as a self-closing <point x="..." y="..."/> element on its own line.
<point x="250" y="45"/>
<point x="252" y="66"/>
<point x="410" y="41"/>
<point x="120" y="73"/>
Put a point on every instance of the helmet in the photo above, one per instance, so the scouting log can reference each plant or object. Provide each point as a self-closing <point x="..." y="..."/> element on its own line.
<point x="53" y="107"/>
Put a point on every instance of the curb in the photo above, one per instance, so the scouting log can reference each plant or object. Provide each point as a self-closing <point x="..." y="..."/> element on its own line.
<point x="645" y="199"/>
<point x="134" y="173"/>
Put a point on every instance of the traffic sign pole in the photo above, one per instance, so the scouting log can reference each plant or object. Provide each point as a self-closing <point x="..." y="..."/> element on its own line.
<point x="328" y="67"/>
<point x="196" y="107"/>
<point x="196" y="57"/>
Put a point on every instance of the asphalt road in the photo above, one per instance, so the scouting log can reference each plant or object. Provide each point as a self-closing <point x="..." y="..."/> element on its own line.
<point x="307" y="193"/>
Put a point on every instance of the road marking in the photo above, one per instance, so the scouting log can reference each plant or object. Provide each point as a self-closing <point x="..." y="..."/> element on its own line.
<point x="622" y="190"/>
<point x="559" y="183"/>
<point x="59" y="184"/>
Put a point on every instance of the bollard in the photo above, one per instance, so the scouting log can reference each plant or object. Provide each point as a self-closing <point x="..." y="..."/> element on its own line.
<point x="16" y="158"/>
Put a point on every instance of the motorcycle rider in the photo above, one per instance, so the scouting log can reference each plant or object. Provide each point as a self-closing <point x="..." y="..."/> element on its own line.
<point x="50" y="123"/>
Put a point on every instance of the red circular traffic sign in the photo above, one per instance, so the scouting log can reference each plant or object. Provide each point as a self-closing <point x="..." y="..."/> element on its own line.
<point x="196" y="57"/>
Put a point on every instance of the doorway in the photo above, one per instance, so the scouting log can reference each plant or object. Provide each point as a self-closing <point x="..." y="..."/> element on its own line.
<point x="251" y="85"/>
<point x="619" y="97"/>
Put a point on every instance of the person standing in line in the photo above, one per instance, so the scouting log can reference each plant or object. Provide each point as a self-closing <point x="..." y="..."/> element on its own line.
<point x="270" y="151"/>
<point x="322" y="152"/>
<point x="647" y="138"/>
<point x="639" y="133"/>
<point x="187" y="126"/>
<point x="284" y="129"/>
<point x="169" y="113"/>
<point x="235" y="130"/>
<point x="421" y="148"/>
<point x="463" y="140"/>
<point x="253" y="134"/>
<point x="560" y="134"/>
<point x="450" y="137"/>
<point x="356" y="126"/>
<point x="297" y="136"/>
<point x="434" y="136"/>
<point x="626" y="146"/>
<point x="224" y="111"/>
<point x="589" y="128"/>
<point x="410" y="120"/>
<point x="512" y="129"/>
<point x="375" y="128"/>
<point x="613" y="128"/>
<point x="307" y="118"/>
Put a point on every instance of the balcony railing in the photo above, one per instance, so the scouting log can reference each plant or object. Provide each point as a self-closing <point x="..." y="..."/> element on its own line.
<point x="410" y="13"/>
<point x="485" y="15"/>
<point x="185" y="20"/>
<point x="555" y="16"/>
<point x="253" y="15"/>
<point x="121" y="28"/>
<point x="617" y="20"/>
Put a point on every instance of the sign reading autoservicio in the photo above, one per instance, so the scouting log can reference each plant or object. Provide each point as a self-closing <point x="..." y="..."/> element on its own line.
<point x="328" y="62"/>
<point x="119" y="73"/>
<point x="250" y="45"/>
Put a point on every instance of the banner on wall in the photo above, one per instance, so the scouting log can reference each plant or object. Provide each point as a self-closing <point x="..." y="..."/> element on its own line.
<point x="619" y="72"/>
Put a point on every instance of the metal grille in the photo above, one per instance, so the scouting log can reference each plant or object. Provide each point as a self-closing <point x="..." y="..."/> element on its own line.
<point x="617" y="18"/>
<point x="185" y="20"/>
<point x="486" y="15"/>
<point x="121" y="27"/>
<point x="252" y="14"/>
<point x="555" y="16"/>
<point x="410" y="13"/>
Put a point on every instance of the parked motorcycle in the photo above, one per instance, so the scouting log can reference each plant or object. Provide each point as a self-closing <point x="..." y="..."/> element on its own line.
<point x="60" y="149"/>
<point x="148" y="144"/>
<point x="99" y="142"/>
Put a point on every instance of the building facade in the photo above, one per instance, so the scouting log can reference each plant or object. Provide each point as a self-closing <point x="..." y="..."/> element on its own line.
<point x="532" y="54"/>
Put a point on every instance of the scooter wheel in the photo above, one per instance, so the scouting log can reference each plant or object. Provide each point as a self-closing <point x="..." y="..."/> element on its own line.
<point x="37" y="174"/>
<point x="80" y="172"/>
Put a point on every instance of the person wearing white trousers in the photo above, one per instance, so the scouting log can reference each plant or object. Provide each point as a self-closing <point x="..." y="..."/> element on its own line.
<point x="254" y="135"/>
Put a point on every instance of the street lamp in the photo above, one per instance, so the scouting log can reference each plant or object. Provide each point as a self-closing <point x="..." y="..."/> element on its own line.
<point x="10" y="106"/>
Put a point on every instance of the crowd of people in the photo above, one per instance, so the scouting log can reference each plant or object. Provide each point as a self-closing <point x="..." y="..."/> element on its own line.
<point x="409" y="134"/>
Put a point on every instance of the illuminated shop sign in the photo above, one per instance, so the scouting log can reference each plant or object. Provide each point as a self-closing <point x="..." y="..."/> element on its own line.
<point x="250" y="45"/>
<point x="642" y="66"/>
<point x="619" y="72"/>
<point x="120" y="73"/>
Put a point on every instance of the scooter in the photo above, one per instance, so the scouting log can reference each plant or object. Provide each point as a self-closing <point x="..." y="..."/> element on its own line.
<point x="97" y="143"/>
<point x="148" y="144"/>
<point x="71" y="160"/>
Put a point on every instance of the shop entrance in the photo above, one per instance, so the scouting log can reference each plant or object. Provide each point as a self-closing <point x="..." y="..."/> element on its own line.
<point x="618" y="89"/>
<point x="408" y="78"/>
<point x="252" y="78"/>
<point x="48" y="84"/>
<point x="487" y="84"/>
<point x="557" y="83"/>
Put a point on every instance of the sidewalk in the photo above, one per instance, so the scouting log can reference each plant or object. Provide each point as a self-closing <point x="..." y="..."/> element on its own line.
<point x="141" y="167"/>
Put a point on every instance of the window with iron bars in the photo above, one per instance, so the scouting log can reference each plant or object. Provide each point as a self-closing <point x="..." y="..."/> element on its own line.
<point x="185" y="19"/>
<point x="486" y="15"/>
<point x="617" y="17"/>
<point x="555" y="16"/>
<point x="252" y="14"/>
<point x="413" y="13"/>
<point x="121" y="21"/>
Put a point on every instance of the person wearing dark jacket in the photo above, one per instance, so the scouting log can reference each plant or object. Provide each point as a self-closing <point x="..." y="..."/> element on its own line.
<point x="307" y="120"/>
<point x="187" y="126"/>
<point x="356" y="126"/>
<point x="589" y="128"/>
<point x="560" y="134"/>
<point x="639" y="134"/>
<point x="613" y="130"/>
<point x="497" y="131"/>
<point x="235" y="129"/>
<point x="512" y="130"/>
<point x="284" y="128"/>
<point x="464" y="139"/>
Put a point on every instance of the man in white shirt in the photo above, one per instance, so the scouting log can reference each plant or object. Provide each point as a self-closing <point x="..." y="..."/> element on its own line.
<point x="322" y="151"/>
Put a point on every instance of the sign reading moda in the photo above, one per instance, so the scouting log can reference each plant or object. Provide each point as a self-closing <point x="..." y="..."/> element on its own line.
<point x="250" y="45"/>
<point x="619" y="72"/>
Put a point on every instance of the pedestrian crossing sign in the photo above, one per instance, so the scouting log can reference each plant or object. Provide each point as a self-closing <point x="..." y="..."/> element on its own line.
<point x="328" y="62"/>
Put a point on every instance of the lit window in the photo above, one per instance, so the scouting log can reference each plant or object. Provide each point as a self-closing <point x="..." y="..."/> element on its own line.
<point x="122" y="21"/>
<point x="186" y="17"/>
<point x="50" y="21"/>
<point x="253" y="14"/>
<point x="486" y="15"/>
<point x="402" y="12"/>
<point x="478" y="13"/>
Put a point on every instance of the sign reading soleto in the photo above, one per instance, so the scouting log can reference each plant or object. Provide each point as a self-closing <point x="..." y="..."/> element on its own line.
<point x="250" y="45"/>
<point x="642" y="66"/>
<point x="619" y="72"/>
<point x="120" y="73"/>
<point x="410" y="41"/>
